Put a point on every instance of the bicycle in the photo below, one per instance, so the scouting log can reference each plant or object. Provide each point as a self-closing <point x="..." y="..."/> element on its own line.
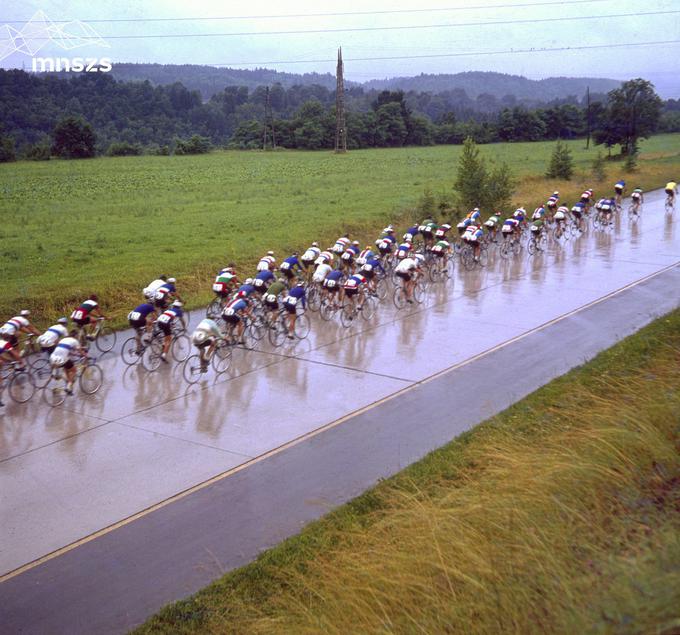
<point x="89" y="376"/>
<point x="37" y="363"/>
<point x="511" y="246"/>
<point x="669" y="205"/>
<point x="180" y="347"/>
<point x="104" y="336"/>
<point x="399" y="297"/>
<point x="281" y="328"/>
<point x="441" y="268"/>
<point x="219" y="359"/>
<point x="19" y="380"/>
<point x="468" y="259"/>
<point x="350" y="309"/>
<point x="634" y="210"/>
<point x="537" y="242"/>
<point x="329" y="306"/>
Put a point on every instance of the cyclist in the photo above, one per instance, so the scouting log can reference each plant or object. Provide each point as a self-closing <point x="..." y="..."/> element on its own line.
<point x="619" y="189"/>
<point x="520" y="214"/>
<point x="369" y="269"/>
<point x="441" y="249"/>
<point x="561" y="215"/>
<point x="165" y="322"/>
<point x="587" y="197"/>
<point x="63" y="355"/>
<point x="410" y="234"/>
<point x="536" y="228"/>
<point x="141" y="319"/>
<point x="539" y="213"/>
<point x="578" y="210"/>
<point x="82" y="316"/>
<point x="553" y="201"/>
<point x="671" y="190"/>
<point x="352" y="286"/>
<point x="50" y="338"/>
<point x="271" y="296"/>
<point x="341" y="244"/>
<point x="473" y="236"/>
<point x="205" y="338"/>
<point x="333" y="284"/>
<point x="326" y="257"/>
<point x="404" y="250"/>
<point x="267" y="263"/>
<point x="494" y="222"/>
<point x="638" y="198"/>
<point x="225" y="281"/>
<point x="11" y="329"/>
<point x="510" y="226"/>
<point x="291" y="267"/>
<point x="442" y="230"/>
<point x="296" y="296"/>
<point x="408" y="270"/>
<point x="463" y="225"/>
<point x="606" y="206"/>
<point x="321" y="273"/>
<point x="262" y="280"/>
<point x="235" y="312"/>
<point x="348" y="257"/>
<point x="387" y="241"/>
<point x="165" y="293"/>
<point x="150" y="290"/>
<point x="247" y="288"/>
<point x="310" y="255"/>
<point x="427" y="228"/>
<point x="364" y="255"/>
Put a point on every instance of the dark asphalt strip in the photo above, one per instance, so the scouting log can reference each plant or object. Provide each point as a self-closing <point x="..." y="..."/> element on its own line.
<point x="115" y="581"/>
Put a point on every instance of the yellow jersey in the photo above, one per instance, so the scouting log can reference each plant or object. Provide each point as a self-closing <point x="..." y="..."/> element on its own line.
<point x="671" y="185"/>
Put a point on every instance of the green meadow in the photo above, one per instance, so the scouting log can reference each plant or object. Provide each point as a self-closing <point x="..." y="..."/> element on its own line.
<point x="109" y="225"/>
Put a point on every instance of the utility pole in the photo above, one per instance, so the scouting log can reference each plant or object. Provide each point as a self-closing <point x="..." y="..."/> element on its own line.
<point x="340" y="127"/>
<point x="588" y="116"/>
<point x="269" y="132"/>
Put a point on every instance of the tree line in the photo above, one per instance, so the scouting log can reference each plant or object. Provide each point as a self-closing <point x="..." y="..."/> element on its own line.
<point x="134" y="117"/>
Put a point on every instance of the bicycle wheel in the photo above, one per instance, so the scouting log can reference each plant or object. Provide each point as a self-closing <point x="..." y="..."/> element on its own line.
<point x="91" y="379"/>
<point x="434" y="272"/>
<point x="277" y="334"/>
<point x="54" y="393"/>
<point x="347" y="315"/>
<point x="467" y="257"/>
<point x="249" y="339"/>
<point x="369" y="308"/>
<point x="21" y="387"/>
<point x="214" y="309"/>
<point x="221" y="360"/>
<point x="483" y="257"/>
<point x="302" y="326"/>
<point x="532" y="246"/>
<point x="180" y="348"/>
<point x="381" y="289"/>
<point x="191" y="371"/>
<point x="129" y="352"/>
<point x="106" y="339"/>
<point x="419" y="292"/>
<point x="151" y="359"/>
<point x="41" y="371"/>
<point x="314" y="299"/>
<point x="399" y="297"/>
<point x="505" y="249"/>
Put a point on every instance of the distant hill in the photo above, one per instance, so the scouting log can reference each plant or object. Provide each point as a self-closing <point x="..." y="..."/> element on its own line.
<point x="210" y="80"/>
<point x="475" y="83"/>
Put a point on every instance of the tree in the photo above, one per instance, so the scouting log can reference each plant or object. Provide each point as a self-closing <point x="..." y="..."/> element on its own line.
<point x="598" y="171"/>
<point x="471" y="176"/>
<point x="500" y="187"/>
<point x="390" y="129"/>
<point x="194" y="145"/>
<point x="561" y="163"/>
<point x="7" y="152"/>
<point x="632" y="113"/>
<point x="73" y="138"/>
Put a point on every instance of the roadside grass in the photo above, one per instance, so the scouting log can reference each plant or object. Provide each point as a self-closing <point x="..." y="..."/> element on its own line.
<point x="561" y="515"/>
<point x="110" y="225"/>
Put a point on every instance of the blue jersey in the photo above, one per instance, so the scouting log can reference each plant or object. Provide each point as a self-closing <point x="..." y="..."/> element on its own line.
<point x="413" y="230"/>
<point x="247" y="289"/>
<point x="293" y="261"/>
<point x="336" y="274"/>
<point x="375" y="263"/>
<point x="144" y="310"/>
<point x="354" y="249"/>
<point x="620" y="185"/>
<point x="169" y="287"/>
<point x="264" y="275"/>
<point x="388" y="237"/>
<point x="299" y="293"/>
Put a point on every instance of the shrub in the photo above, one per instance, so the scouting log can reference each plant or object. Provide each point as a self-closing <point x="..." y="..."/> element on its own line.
<point x="561" y="163"/>
<point x="124" y="149"/>
<point x="194" y="145"/>
<point x="38" y="152"/>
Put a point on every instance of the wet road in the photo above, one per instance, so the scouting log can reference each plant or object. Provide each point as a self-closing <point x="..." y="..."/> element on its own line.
<point x="67" y="473"/>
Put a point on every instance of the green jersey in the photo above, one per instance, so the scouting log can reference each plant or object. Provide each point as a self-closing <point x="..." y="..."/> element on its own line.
<point x="276" y="288"/>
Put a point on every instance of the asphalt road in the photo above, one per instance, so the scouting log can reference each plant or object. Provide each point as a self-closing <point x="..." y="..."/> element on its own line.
<point x="116" y="504"/>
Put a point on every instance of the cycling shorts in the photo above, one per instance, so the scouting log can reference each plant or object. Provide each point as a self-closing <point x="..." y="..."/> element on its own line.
<point x="618" y="190"/>
<point x="670" y="193"/>
<point x="404" y="275"/>
<point x="289" y="306"/>
<point x="137" y="324"/>
<point x="165" y="327"/>
<point x="83" y="321"/>
<point x="331" y="285"/>
<point x="350" y="292"/>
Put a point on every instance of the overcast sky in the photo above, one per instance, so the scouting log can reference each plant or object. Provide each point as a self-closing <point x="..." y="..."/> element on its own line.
<point x="310" y="50"/>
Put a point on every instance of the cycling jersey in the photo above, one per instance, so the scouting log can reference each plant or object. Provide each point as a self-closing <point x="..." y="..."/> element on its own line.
<point x="384" y="246"/>
<point x="510" y="225"/>
<point x="536" y="226"/>
<point x="619" y="186"/>
<point x="407" y="265"/>
<point x="266" y="263"/>
<point x="371" y="266"/>
<point x="262" y="279"/>
<point x="311" y="254"/>
<point x="321" y="272"/>
<point x="225" y="277"/>
<point x="586" y="196"/>
<point x="297" y="295"/>
<point x="207" y="327"/>
<point x="539" y="213"/>
<point x="151" y="289"/>
<point x="493" y="221"/>
<point x="290" y="263"/>
<point x="473" y="234"/>
<point x="162" y="293"/>
<point x="5" y="346"/>
<point x="353" y="283"/>
<point x="637" y="193"/>
<point x="672" y="186"/>
<point x="65" y="351"/>
<point x="403" y="250"/>
<point x="12" y="326"/>
<point x="233" y="308"/>
<point x="578" y="208"/>
<point x="247" y="289"/>
<point x="562" y="212"/>
<point x="324" y="257"/>
<point x="553" y="200"/>
<point x="52" y="335"/>
<point x="520" y="214"/>
<point x="169" y="315"/>
<point x="274" y="291"/>
<point x="364" y="256"/>
<point x="82" y="313"/>
<point x="441" y="247"/>
<point x="138" y="316"/>
<point x="336" y="274"/>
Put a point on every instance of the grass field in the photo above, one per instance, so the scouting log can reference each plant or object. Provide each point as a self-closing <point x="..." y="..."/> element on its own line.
<point x="561" y="515"/>
<point x="110" y="225"/>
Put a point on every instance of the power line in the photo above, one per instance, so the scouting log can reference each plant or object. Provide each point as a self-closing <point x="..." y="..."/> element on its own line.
<point x="334" y="14"/>
<point x="386" y="28"/>
<point x="459" y="54"/>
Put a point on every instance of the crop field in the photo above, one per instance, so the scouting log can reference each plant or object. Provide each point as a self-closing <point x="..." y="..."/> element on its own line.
<point x="109" y="225"/>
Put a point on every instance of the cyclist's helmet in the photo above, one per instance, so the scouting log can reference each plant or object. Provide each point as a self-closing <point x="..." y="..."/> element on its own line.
<point x="408" y="238"/>
<point x="355" y="242"/>
<point x="25" y="312"/>
<point x="62" y="320"/>
<point x="420" y="258"/>
<point x="177" y="303"/>
<point x="270" y="253"/>
<point x="315" y="244"/>
<point x="248" y="281"/>
<point x="172" y="280"/>
<point x="555" y="193"/>
<point x="388" y="230"/>
<point x="300" y="284"/>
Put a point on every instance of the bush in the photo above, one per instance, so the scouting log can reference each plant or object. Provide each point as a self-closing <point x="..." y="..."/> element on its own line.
<point x="124" y="149"/>
<point x="38" y="152"/>
<point x="74" y="138"/>
<point x="7" y="152"/>
<point x="194" y="145"/>
<point x="598" y="171"/>
<point x="561" y="163"/>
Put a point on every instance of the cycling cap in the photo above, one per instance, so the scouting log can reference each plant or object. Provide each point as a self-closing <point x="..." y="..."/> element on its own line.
<point x="62" y="320"/>
<point x="355" y="242"/>
<point x="249" y="281"/>
<point x="270" y="253"/>
<point x="171" y="280"/>
<point x="25" y="312"/>
<point x="556" y="193"/>
<point x="177" y="303"/>
<point x="300" y="284"/>
<point x="315" y="244"/>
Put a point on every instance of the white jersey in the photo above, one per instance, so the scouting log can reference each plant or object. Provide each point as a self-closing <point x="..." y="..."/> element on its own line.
<point x="321" y="272"/>
<point x="11" y="327"/>
<point x="52" y="335"/>
<point x="65" y="350"/>
<point x="265" y="263"/>
<point x="311" y="254"/>
<point x="150" y="291"/>
<point x="206" y="328"/>
<point x="406" y="265"/>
